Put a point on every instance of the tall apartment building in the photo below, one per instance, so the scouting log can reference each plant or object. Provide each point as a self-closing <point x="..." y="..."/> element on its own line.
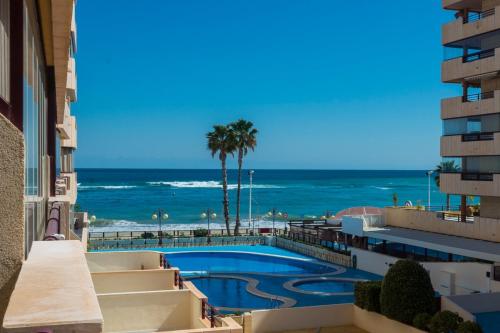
<point x="37" y="130"/>
<point x="471" y="122"/>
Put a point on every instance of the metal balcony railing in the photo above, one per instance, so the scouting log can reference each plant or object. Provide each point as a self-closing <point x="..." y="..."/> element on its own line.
<point x="477" y="176"/>
<point x="208" y="312"/>
<point x="455" y="217"/>
<point x="478" y="55"/>
<point x="473" y="17"/>
<point x="486" y="136"/>
<point x="478" y="97"/>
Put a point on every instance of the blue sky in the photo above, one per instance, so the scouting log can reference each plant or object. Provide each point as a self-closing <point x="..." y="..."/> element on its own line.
<point x="328" y="85"/>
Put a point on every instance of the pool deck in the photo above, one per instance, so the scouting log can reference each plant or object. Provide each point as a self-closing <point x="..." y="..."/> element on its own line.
<point x="260" y="249"/>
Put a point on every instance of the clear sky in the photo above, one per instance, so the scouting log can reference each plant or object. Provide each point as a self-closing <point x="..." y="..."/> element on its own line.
<point x="329" y="85"/>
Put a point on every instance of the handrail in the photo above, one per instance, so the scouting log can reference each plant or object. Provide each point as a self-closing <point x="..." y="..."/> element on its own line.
<point x="478" y="55"/>
<point x="478" y="97"/>
<point x="119" y="239"/>
<point x="208" y="311"/>
<point x="473" y="17"/>
<point x="482" y="136"/>
<point x="479" y="176"/>
<point x="53" y="226"/>
<point x="455" y="217"/>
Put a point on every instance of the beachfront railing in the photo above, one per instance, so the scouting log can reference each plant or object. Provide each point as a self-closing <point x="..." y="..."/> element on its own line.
<point x="148" y="239"/>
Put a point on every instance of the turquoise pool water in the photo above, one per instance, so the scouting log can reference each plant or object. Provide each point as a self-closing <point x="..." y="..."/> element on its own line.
<point x="217" y="289"/>
<point x="196" y="262"/>
<point x="330" y="286"/>
<point x="489" y="321"/>
<point x="272" y="268"/>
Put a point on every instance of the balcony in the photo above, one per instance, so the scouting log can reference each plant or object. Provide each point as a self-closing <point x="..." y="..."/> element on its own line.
<point x="471" y="105"/>
<point x="443" y="222"/>
<point x="66" y="187"/>
<point x="479" y="184"/>
<point x="475" y="24"/>
<point x="71" y="133"/>
<point x="64" y="128"/>
<point x="71" y="80"/>
<point x="63" y="289"/>
<point x="476" y="144"/>
<point x="461" y="4"/>
<point x="472" y="67"/>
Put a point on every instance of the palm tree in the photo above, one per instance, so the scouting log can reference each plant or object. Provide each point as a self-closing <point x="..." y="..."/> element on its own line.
<point x="245" y="138"/>
<point x="221" y="140"/>
<point x="447" y="166"/>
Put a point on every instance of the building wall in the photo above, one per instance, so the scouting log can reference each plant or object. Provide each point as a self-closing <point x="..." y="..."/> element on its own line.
<point x="314" y="317"/>
<point x="132" y="281"/>
<point x="482" y="228"/>
<point x="122" y="261"/>
<point x="468" y="277"/>
<point x="489" y="4"/>
<point x="490" y="208"/>
<point x="11" y="208"/>
<point x="146" y="311"/>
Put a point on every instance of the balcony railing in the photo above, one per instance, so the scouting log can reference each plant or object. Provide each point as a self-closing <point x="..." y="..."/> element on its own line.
<point x="478" y="97"/>
<point x="62" y="185"/>
<point x="478" y="55"/>
<point x="455" y="216"/>
<point x="477" y="176"/>
<point x="473" y="17"/>
<point x="486" y="136"/>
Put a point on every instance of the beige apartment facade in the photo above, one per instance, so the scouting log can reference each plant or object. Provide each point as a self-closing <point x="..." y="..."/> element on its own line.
<point x="471" y="122"/>
<point x="37" y="130"/>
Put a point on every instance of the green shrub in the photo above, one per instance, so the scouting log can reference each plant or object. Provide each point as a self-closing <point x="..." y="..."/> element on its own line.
<point x="422" y="321"/>
<point x="469" y="327"/>
<point x="406" y="292"/>
<point x="147" y="235"/>
<point x="367" y="295"/>
<point x="445" y="322"/>
<point x="200" y="233"/>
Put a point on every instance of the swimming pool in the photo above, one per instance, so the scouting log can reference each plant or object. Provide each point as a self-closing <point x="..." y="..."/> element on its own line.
<point x="248" y="262"/>
<point x="242" y="278"/>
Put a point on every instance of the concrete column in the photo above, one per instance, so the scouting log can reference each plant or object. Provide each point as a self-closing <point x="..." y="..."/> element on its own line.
<point x="12" y="208"/>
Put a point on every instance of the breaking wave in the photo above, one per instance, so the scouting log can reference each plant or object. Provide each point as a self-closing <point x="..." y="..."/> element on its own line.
<point x="206" y="184"/>
<point x="106" y="187"/>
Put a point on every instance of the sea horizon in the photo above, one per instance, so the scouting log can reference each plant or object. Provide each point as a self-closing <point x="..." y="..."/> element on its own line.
<point x="124" y="199"/>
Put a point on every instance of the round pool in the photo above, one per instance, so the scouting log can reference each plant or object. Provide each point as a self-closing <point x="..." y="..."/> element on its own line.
<point x="328" y="286"/>
<point x="199" y="263"/>
<point x="232" y="294"/>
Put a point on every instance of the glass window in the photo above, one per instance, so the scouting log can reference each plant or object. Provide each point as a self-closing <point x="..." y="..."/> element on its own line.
<point x="5" y="50"/>
<point x="34" y="125"/>
<point x="482" y="124"/>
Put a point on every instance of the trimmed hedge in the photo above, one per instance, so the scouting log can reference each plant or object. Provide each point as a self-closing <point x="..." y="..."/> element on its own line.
<point x="445" y="322"/>
<point x="200" y="233"/>
<point x="367" y="295"/>
<point x="422" y="321"/>
<point x="406" y="292"/>
<point x="469" y="327"/>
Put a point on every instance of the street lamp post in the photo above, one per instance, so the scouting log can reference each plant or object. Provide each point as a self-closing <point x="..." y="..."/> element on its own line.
<point x="273" y="213"/>
<point x="429" y="173"/>
<point x="161" y="214"/>
<point x="208" y="214"/>
<point x="250" y="173"/>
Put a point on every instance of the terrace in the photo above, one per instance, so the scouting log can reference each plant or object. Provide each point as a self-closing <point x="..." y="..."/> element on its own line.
<point x="106" y="292"/>
<point x="469" y="25"/>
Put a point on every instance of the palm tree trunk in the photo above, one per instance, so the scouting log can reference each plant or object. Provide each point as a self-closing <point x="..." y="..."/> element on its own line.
<point x="463" y="207"/>
<point x="447" y="201"/>
<point x="238" y="193"/>
<point x="225" y="202"/>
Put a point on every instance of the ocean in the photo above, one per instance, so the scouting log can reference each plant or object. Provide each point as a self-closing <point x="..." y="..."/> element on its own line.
<point x="125" y="199"/>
